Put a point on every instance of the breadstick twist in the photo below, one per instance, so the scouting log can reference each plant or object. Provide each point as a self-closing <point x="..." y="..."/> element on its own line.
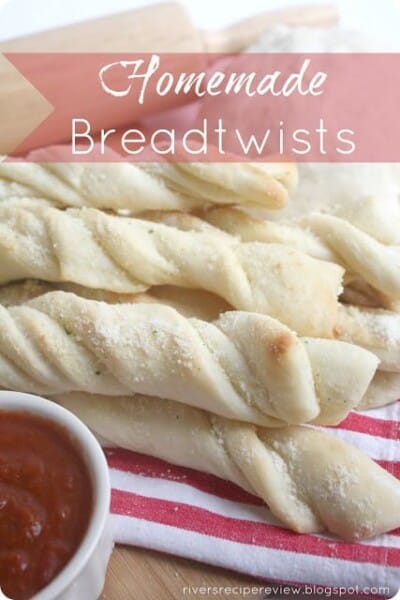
<point x="370" y="329"/>
<point x="383" y="389"/>
<point x="377" y="263"/>
<point x="137" y="187"/>
<point x="97" y="250"/>
<point x="325" y="237"/>
<point x="375" y="329"/>
<point x="243" y="366"/>
<point x="309" y="480"/>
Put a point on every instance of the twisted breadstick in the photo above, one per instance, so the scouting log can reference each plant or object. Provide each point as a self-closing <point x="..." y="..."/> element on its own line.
<point x="252" y="229"/>
<point x="378" y="331"/>
<point x="98" y="250"/>
<point x="309" y="480"/>
<point x="227" y="183"/>
<point x="21" y="292"/>
<point x="376" y="263"/>
<point x="375" y="329"/>
<point x="166" y="186"/>
<point x="383" y="389"/>
<point x="243" y="366"/>
<point x="325" y="237"/>
<point x="189" y="303"/>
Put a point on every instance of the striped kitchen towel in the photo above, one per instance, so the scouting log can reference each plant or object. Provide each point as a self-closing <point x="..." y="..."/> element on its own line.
<point x="172" y="509"/>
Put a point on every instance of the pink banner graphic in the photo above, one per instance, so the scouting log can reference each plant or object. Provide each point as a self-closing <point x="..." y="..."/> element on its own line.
<point x="302" y="107"/>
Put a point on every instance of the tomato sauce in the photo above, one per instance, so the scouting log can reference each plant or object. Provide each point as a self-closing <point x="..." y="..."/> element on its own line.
<point x="45" y="502"/>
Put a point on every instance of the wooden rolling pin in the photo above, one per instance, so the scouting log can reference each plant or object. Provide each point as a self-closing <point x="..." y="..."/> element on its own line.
<point x="158" y="28"/>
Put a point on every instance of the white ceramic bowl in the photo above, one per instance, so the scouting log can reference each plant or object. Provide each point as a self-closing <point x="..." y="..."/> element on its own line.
<point x="83" y="577"/>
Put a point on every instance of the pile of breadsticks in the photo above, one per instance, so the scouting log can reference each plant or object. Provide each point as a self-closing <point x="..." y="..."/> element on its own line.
<point x="152" y="302"/>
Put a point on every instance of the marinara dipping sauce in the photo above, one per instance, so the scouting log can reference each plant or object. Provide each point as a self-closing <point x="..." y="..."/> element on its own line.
<point x="45" y="502"/>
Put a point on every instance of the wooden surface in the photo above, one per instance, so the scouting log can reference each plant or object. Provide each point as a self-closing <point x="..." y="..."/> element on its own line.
<point x="137" y="574"/>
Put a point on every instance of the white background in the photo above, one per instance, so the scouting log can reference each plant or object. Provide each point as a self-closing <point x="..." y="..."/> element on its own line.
<point x="20" y="17"/>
